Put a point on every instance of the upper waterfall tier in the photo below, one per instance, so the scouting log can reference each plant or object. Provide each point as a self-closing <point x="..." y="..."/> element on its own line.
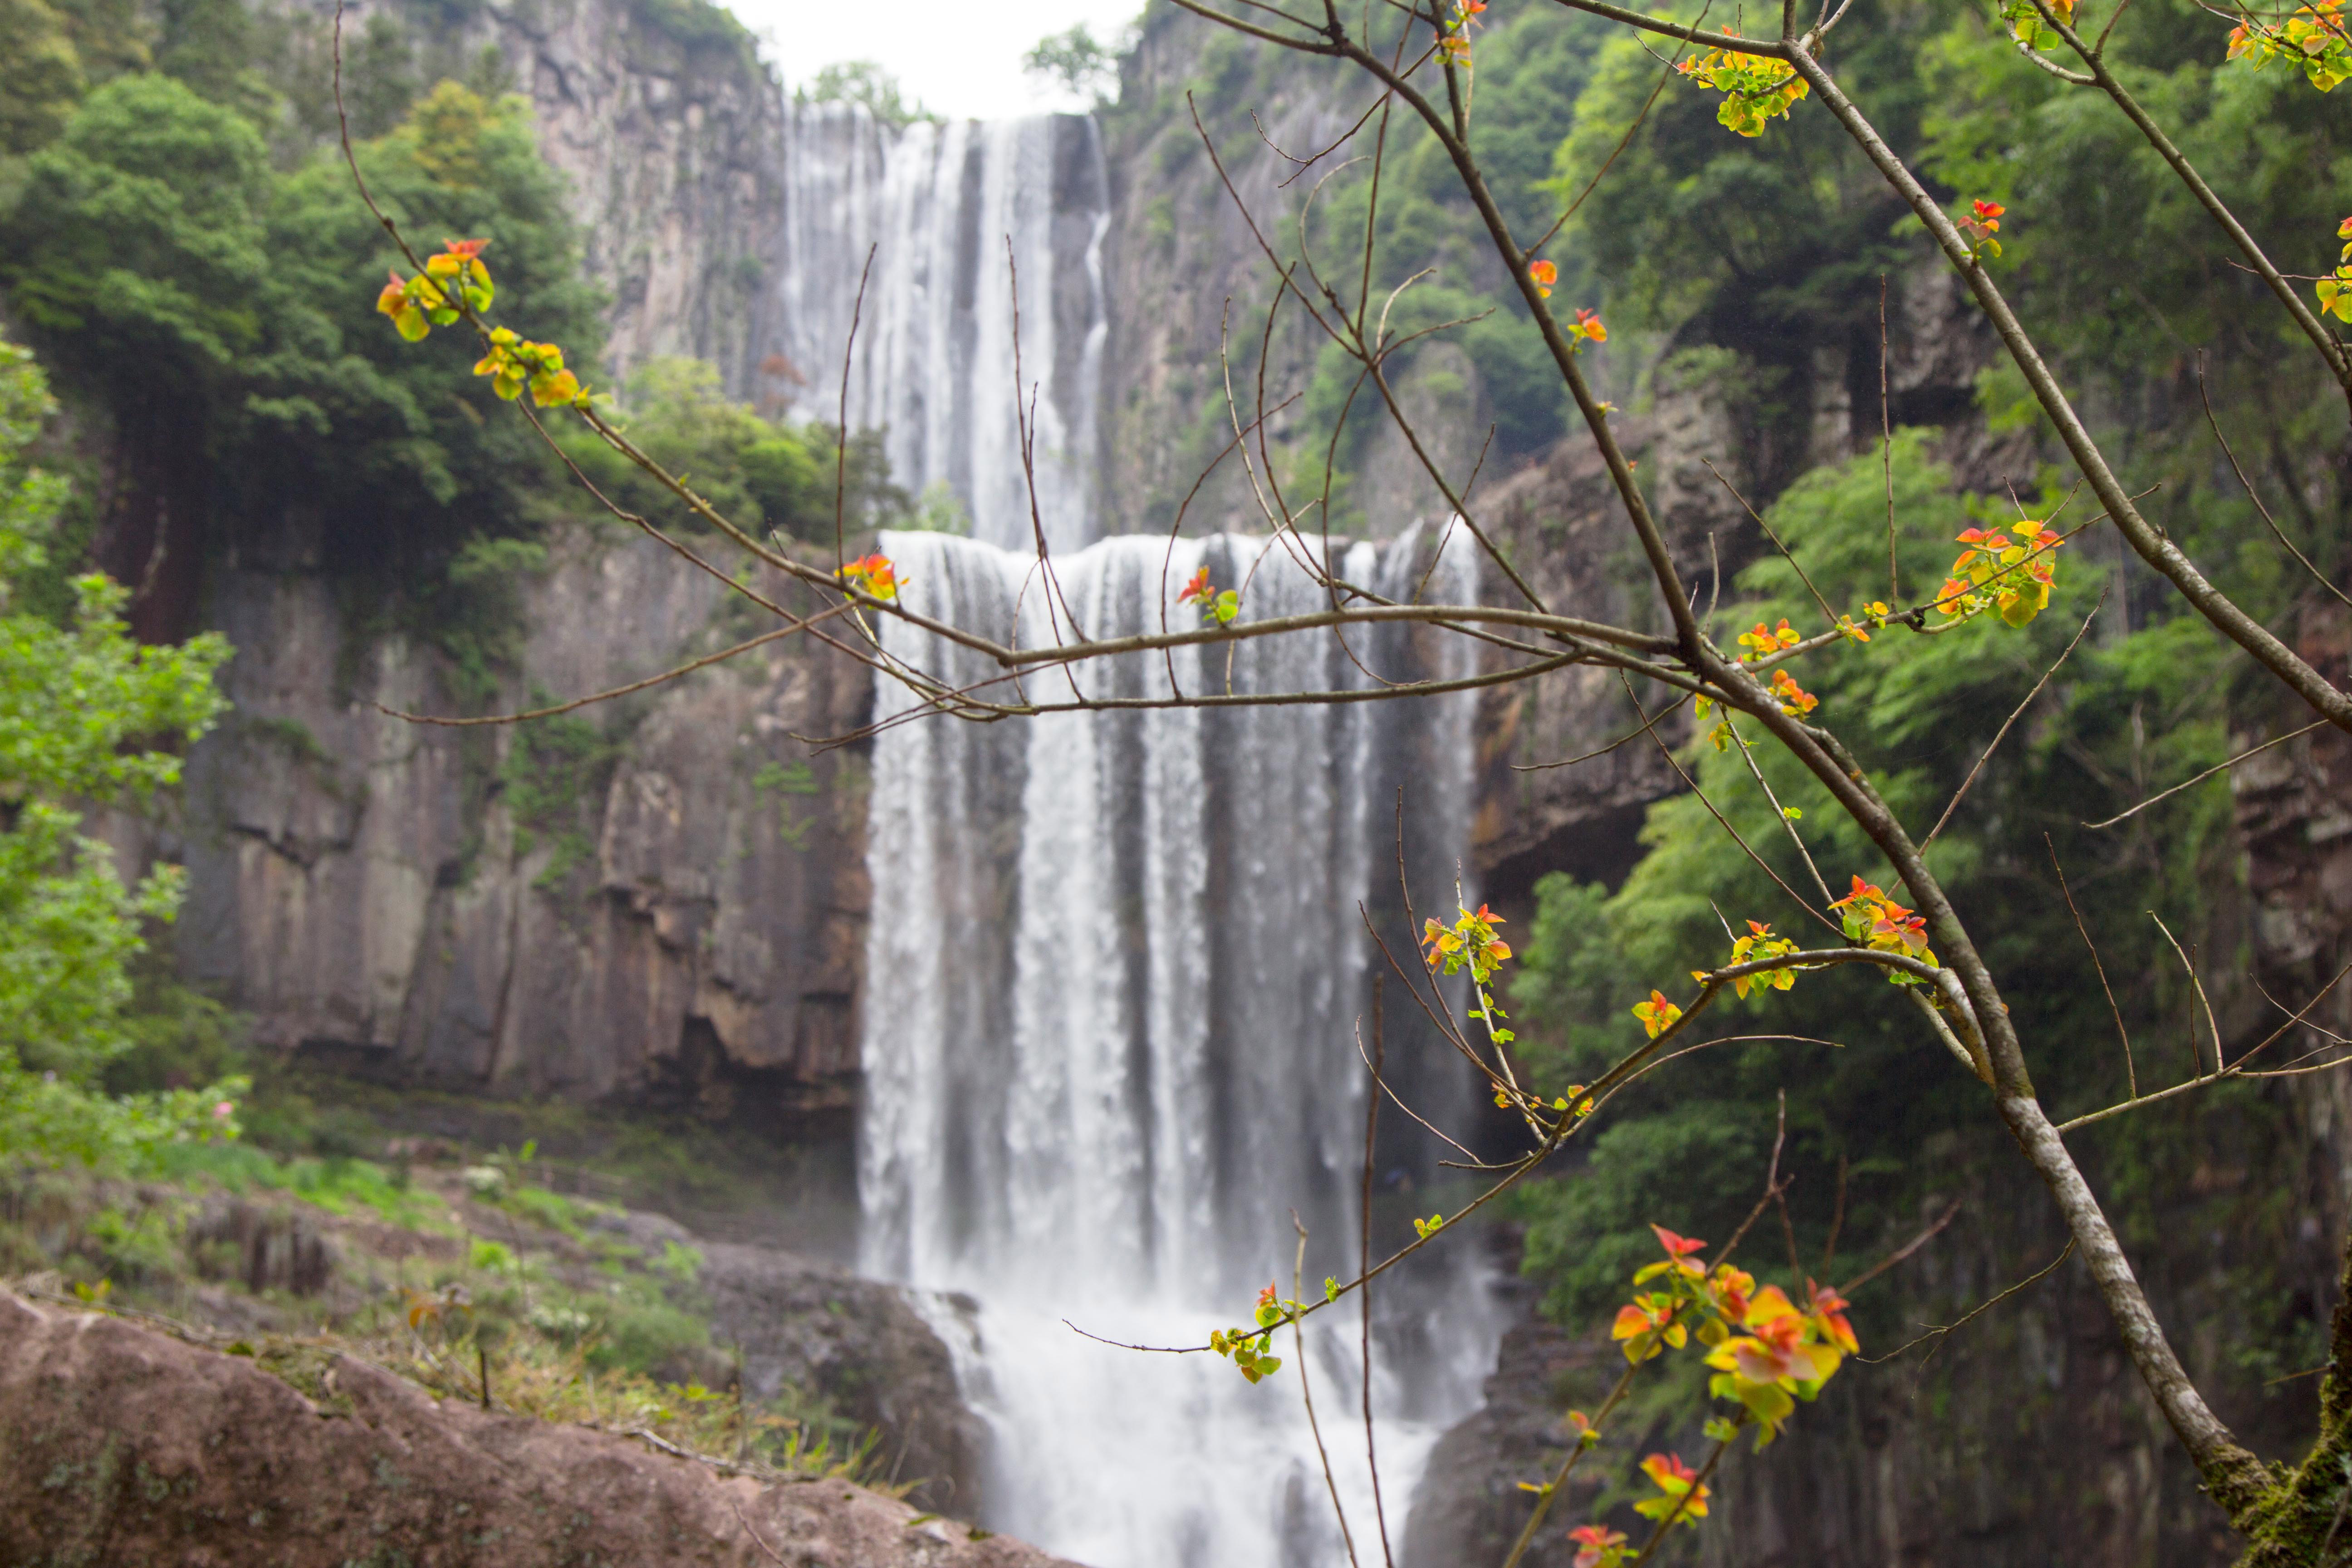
<point x="984" y="298"/>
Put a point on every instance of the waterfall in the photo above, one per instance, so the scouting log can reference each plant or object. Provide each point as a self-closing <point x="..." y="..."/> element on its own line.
<point x="1115" y="975"/>
<point x="1116" y="960"/>
<point x="952" y="215"/>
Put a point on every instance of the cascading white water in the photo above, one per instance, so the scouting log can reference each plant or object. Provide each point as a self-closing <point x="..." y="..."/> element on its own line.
<point x="952" y="215"/>
<point x="1115" y="972"/>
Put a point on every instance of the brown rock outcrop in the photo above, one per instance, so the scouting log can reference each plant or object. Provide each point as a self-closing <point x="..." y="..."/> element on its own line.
<point x="124" y="1447"/>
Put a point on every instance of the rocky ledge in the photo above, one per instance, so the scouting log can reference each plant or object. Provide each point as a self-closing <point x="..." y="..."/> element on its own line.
<point x="125" y="1445"/>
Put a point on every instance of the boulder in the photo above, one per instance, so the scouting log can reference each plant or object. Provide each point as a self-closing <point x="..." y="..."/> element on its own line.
<point x="122" y="1445"/>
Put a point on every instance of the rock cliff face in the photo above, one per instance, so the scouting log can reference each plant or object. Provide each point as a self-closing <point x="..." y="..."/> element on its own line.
<point x="666" y="125"/>
<point x="665" y="897"/>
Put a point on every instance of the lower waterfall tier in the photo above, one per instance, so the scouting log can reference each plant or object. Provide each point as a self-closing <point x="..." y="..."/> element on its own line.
<point x="1119" y="963"/>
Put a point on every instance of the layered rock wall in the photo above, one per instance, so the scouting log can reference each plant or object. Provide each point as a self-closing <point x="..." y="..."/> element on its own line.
<point x="664" y="896"/>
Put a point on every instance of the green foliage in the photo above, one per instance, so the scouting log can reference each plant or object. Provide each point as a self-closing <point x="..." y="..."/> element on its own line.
<point x="642" y="1334"/>
<point x="136" y="232"/>
<point x="938" y="509"/>
<point x="208" y="301"/>
<point x="1919" y="714"/>
<point x="1530" y="69"/>
<point x="1075" y="60"/>
<point x="476" y="611"/>
<point x="340" y="1184"/>
<point x="696" y="24"/>
<point x="86" y="715"/>
<point x="784" y="781"/>
<point x="554" y="780"/>
<point x="178" y="1036"/>
<point x="867" y="84"/>
<point x="757" y="474"/>
<point x="41" y="75"/>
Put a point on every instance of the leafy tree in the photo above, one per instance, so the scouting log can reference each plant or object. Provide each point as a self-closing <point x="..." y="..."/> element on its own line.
<point x="138" y="236"/>
<point x="86" y="715"/>
<point x="1075" y="60"/>
<point x="1937" y="709"/>
<point x="197" y="296"/>
<point x="761" y="473"/>
<point x="401" y="445"/>
<point x="1774" y="241"/>
<point x="41" y="75"/>
<point x="865" y="83"/>
<point x="212" y="47"/>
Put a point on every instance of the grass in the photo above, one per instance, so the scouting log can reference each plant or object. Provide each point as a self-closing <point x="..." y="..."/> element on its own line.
<point x="341" y="1184"/>
<point x="585" y="1329"/>
<point x="560" y="1377"/>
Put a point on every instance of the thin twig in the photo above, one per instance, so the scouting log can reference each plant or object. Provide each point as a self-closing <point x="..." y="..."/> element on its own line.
<point x="1307" y="1393"/>
<point x="841" y="430"/>
<point x="2002" y="733"/>
<point x="1939" y="1334"/>
<point x="1364" y="1254"/>
<point x="1827" y="614"/>
<point x="2235" y="1069"/>
<point x="2131" y="1071"/>
<point x="1692" y="785"/>
<point x="684" y="670"/>
<point x="1886" y="450"/>
<point x="1622" y="143"/>
<point x="1781" y="1191"/>
<point x="1914" y="1244"/>
<point x="2251" y="494"/>
<point x="763" y="1546"/>
<point x="1635" y="733"/>
<point x="2208" y="773"/>
<point x="1787" y="821"/>
<point x="2197" y="986"/>
<point x="1837" y="1220"/>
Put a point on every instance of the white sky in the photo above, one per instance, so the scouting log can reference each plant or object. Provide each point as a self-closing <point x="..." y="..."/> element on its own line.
<point x="961" y="57"/>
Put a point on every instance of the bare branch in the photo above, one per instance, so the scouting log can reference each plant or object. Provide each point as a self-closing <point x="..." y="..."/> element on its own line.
<point x="1763" y="47"/>
<point x="2199" y="987"/>
<point x="1939" y="1334"/>
<point x="1725" y="823"/>
<point x="2255" y="496"/>
<point x="2338" y="360"/>
<point x="1827" y="614"/>
<point x="1364" y="1254"/>
<point x="2131" y="1071"/>
<point x="2208" y="773"/>
<point x="1787" y="821"/>
<point x="1901" y="1253"/>
<point x="2002" y="733"/>
<point x="1307" y="1392"/>
<point x="669" y="675"/>
<point x="1886" y="446"/>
